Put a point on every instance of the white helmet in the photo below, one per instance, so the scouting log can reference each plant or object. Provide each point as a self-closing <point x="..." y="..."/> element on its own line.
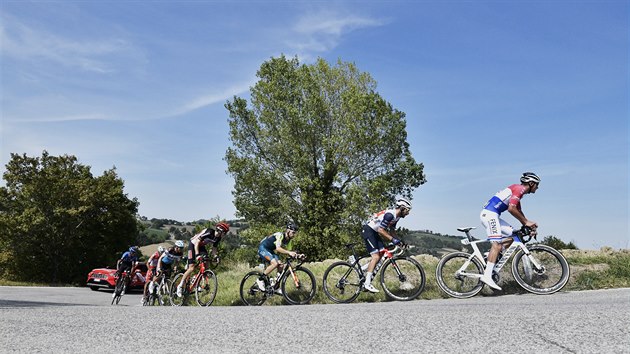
<point x="404" y="203"/>
<point x="160" y="249"/>
<point x="179" y="243"/>
<point x="530" y="177"/>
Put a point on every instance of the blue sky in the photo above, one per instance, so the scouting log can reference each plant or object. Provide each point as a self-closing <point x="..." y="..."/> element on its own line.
<point x="490" y="90"/>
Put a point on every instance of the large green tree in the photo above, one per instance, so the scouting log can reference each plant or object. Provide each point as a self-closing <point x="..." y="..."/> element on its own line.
<point x="58" y="221"/>
<point x="318" y="145"/>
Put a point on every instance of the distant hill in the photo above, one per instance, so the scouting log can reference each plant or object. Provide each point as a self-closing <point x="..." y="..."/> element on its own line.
<point x="425" y="242"/>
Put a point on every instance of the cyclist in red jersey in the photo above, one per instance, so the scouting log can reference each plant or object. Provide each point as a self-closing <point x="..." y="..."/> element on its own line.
<point x="151" y="265"/>
<point x="500" y="232"/>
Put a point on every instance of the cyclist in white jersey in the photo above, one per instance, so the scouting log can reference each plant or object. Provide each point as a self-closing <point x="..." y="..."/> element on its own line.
<point x="378" y="227"/>
<point x="500" y="232"/>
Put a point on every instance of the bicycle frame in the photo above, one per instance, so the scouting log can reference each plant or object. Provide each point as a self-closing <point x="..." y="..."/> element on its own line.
<point x="517" y="244"/>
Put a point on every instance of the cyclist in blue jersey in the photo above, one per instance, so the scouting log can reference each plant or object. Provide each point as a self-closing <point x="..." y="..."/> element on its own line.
<point x="500" y="232"/>
<point x="273" y="244"/>
<point x="127" y="262"/>
<point x="166" y="262"/>
<point x="376" y="229"/>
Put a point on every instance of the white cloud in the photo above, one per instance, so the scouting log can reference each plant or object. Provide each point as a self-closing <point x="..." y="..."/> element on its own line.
<point x="211" y="98"/>
<point x="21" y="42"/>
<point x="322" y="31"/>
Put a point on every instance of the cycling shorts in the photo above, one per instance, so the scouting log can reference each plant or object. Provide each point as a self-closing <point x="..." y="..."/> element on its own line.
<point x="123" y="266"/>
<point x="373" y="241"/>
<point x="151" y="273"/>
<point x="267" y="255"/>
<point x="497" y="229"/>
<point x="192" y="255"/>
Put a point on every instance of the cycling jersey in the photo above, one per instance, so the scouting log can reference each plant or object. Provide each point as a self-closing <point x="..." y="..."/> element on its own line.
<point x="384" y="219"/>
<point x="206" y="236"/>
<point x="153" y="260"/>
<point x="274" y="241"/>
<point x="170" y="256"/>
<point x="502" y="199"/>
<point x="128" y="258"/>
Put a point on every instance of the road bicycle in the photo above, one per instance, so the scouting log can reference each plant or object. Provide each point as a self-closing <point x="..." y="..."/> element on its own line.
<point x="120" y="287"/>
<point x="295" y="283"/>
<point x="537" y="268"/>
<point x="402" y="277"/>
<point x="161" y="293"/>
<point x="203" y="284"/>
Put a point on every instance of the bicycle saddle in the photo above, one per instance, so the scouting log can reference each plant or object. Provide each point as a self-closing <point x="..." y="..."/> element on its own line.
<point x="465" y="229"/>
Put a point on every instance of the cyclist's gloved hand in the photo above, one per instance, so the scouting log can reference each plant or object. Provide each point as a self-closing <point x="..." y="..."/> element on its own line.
<point x="395" y="241"/>
<point x="199" y="258"/>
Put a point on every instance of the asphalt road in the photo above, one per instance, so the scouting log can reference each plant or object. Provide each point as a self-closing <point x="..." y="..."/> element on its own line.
<point x="78" y="320"/>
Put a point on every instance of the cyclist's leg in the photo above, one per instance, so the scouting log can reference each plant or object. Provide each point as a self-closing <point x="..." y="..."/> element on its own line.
<point x="374" y="245"/>
<point x="190" y="268"/>
<point x="497" y="230"/>
<point x="148" y="280"/>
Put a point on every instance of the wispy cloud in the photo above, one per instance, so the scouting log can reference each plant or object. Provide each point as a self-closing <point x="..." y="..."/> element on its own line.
<point x="322" y="31"/>
<point x="211" y="98"/>
<point x="25" y="43"/>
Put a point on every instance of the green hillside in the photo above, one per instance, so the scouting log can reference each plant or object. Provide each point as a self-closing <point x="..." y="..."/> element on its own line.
<point x="424" y="242"/>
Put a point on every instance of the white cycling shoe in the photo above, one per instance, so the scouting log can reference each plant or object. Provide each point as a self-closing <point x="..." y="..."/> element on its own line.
<point x="261" y="284"/>
<point x="489" y="282"/>
<point x="369" y="287"/>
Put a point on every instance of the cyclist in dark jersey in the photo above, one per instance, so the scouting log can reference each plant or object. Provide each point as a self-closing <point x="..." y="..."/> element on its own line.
<point x="128" y="261"/>
<point x="197" y="249"/>
<point x="381" y="226"/>
<point x="278" y="242"/>
<point x="499" y="231"/>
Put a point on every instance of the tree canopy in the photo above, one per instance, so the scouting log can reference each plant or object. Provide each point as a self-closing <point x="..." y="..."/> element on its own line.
<point x="58" y="221"/>
<point x="317" y="145"/>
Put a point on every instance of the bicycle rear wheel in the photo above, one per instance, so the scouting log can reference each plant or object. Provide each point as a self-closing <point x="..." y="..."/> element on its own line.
<point x="251" y="294"/>
<point x="402" y="278"/>
<point x="458" y="276"/>
<point x="206" y="289"/>
<point x="178" y="300"/>
<point x="552" y="275"/>
<point x="299" y="288"/>
<point x="164" y="293"/>
<point x="342" y="282"/>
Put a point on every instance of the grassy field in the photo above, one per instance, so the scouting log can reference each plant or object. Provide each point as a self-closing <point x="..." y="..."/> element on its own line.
<point x="589" y="270"/>
<point x="606" y="268"/>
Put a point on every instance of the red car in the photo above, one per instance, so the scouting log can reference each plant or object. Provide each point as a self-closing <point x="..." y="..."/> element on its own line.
<point x="103" y="278"/>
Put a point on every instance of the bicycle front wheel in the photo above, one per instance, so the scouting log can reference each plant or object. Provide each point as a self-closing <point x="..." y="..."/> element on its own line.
<point x="402" y="278"/>
<point x="251" y="294"/>
<point x="206" y="289"/>
<point x="119" y="288"/>
<point x="342" y="282"/>
<point x="178" y="300"/>
<point x="458" y="274"/>
<point x="299" y="288"/>
<point x="551" y="275"/>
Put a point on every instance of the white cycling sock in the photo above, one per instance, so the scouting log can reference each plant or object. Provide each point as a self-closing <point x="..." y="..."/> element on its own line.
<point x="151" y="286"/>
<point x="368" y="278"/>
<point x="489" y="268"/>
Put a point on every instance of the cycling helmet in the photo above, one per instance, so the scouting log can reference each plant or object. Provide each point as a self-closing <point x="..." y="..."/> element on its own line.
<point x="404" y="203"/>
<point x="530" y="177"/>
<point x="160" y="249"/>
<point x="222" y="226"/>
<point x="292" y="226"/>
<point x="133" y="249"/>
<point x="179" y="243"/>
